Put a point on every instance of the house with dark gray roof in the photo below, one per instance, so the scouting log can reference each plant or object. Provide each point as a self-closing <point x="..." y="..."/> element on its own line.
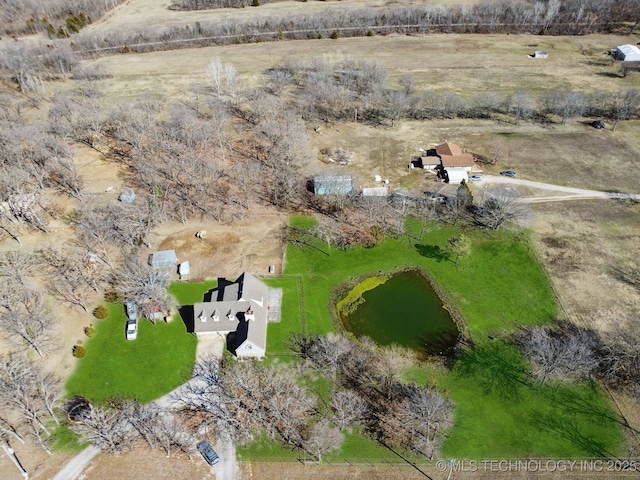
<point x="239" y="310"/>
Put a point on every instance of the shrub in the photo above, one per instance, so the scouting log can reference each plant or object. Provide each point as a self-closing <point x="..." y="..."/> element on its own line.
<point x="370" y="33"/>
<point x="79" y="351"/>
<point x="113" y="296"/>
<point x="335" y="35"/>
<point x="255" y="3"/>
<point x="101" y="312"/>
<point x="90" y="331"/>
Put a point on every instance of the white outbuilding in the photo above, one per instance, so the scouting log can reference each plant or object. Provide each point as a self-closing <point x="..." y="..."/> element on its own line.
<point x="456" y="175"/>
<point x="628" y="53"/>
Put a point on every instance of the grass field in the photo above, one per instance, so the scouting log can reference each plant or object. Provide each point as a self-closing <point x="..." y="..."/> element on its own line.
<point x="500" y="412"/>
<point x="159" y="360"/>
<point x="498" y="286"/>
<point x="465" y="64"/>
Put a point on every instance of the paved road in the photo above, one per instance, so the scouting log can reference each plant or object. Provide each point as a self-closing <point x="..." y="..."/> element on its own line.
<point x="572" y="193"/>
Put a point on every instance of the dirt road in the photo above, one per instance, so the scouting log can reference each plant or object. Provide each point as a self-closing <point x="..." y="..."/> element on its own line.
<point x="77" y="464"/>
<point x="571" y="192"/>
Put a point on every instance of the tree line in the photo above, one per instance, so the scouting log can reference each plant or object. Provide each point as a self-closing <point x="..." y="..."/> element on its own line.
<point x="568" y="17"/>
<point x="328" y="91"/>
<point x="19" y="17"/>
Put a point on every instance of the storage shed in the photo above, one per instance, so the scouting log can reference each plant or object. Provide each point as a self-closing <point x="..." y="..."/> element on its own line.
<point x="184" y="270"/>
<point x="332" y="184"/>
<point x="374" y="192"/>
<point x="163" y="259"/>
<point x="628" y="53"/>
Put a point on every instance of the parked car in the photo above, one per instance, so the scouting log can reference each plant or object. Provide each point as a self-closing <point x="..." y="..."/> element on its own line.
<point x="475" y="178"/>
<point x="508" y="173"/>
<point x="208" y="453"/>
<point x="132" y="310"/>
<point x="132" y="329"/>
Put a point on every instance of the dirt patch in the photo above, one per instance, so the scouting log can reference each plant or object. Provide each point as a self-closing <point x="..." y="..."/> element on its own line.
<point x="34" y="460"/>
<point x="146" y="463"/>
<point x="252" y="244"/>
<point x="581" y="244"/>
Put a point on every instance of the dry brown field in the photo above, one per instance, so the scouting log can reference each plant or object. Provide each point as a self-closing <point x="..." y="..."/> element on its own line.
<point x="154" y="14"/>
<point x="458" y="63"/>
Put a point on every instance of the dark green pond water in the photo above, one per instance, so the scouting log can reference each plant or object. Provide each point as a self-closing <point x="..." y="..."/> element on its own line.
<point x="407" y="311"/>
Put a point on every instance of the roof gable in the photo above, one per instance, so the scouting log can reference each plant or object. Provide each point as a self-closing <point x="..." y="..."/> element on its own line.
<point x="447" y="148"/>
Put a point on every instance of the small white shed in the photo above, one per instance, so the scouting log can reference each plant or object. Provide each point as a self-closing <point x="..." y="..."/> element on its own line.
<point x="374" y="191"/>
<point x="628" y="53"/>
<point x="184" y="270"/>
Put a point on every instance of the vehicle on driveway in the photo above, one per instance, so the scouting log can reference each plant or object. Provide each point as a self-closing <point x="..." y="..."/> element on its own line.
<point x="208" y="453"/>
<point x="132" y="310"/>
<point x="132" y="329"/>
<point x="475" y="178"/>
<point x="508" y="173"/>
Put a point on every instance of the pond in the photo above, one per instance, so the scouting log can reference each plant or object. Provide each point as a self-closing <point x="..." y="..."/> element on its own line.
<point x="402" y="309"/>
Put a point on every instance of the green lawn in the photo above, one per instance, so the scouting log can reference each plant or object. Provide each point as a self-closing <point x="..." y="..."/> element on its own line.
<point x="500" y="412"/>
<point x="290" y="319"/>
<point x="187" y="293"/>
<point x="159" y="360"/>
<point x="498" y="286"/>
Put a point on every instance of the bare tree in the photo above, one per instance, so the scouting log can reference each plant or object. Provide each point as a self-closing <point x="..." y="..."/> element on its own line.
<point x="159" y="429"/>
<point x="18" y="265"/>
<point x="105" y="427"/>
<point x="521" y="106"/>
<point x="143" y="284"/>
<point x="70" y="279"/>
<point x="263" y="398"/>
<point x="623" y="105"/>
<point x="620" y="358"/>
<point x="499" y="207"/>
<point x="223" y="77"/>
<point x="8" y="431"/>
<point x="25" y="316"/>
<point x="31" y="394"/>
<point x="497" y="150"/>
<point x="324" y="439"/>
<point x="348" y="408"/>
<point x="563" y="353"/>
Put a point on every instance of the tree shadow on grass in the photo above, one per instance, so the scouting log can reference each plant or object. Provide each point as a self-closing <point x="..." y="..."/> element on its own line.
<point x="589" y="406"/>
<point x="433" y="251"/>
<point x="566" y="426"/>
<point x="498" y="367"/>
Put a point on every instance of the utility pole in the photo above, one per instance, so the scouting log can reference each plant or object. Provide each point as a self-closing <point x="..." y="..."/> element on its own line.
<point x="12" y="455"/>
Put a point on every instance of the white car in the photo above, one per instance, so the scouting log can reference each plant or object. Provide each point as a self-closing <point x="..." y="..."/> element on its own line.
<point x="132" y="329"/>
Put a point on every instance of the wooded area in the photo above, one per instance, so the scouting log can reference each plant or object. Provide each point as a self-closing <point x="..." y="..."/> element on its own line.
<point x="219" y="152"/>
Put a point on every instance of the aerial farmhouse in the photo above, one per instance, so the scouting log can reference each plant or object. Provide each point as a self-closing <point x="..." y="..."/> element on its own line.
<point x="448" y="159"/>
<point x="240" y="311"/>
